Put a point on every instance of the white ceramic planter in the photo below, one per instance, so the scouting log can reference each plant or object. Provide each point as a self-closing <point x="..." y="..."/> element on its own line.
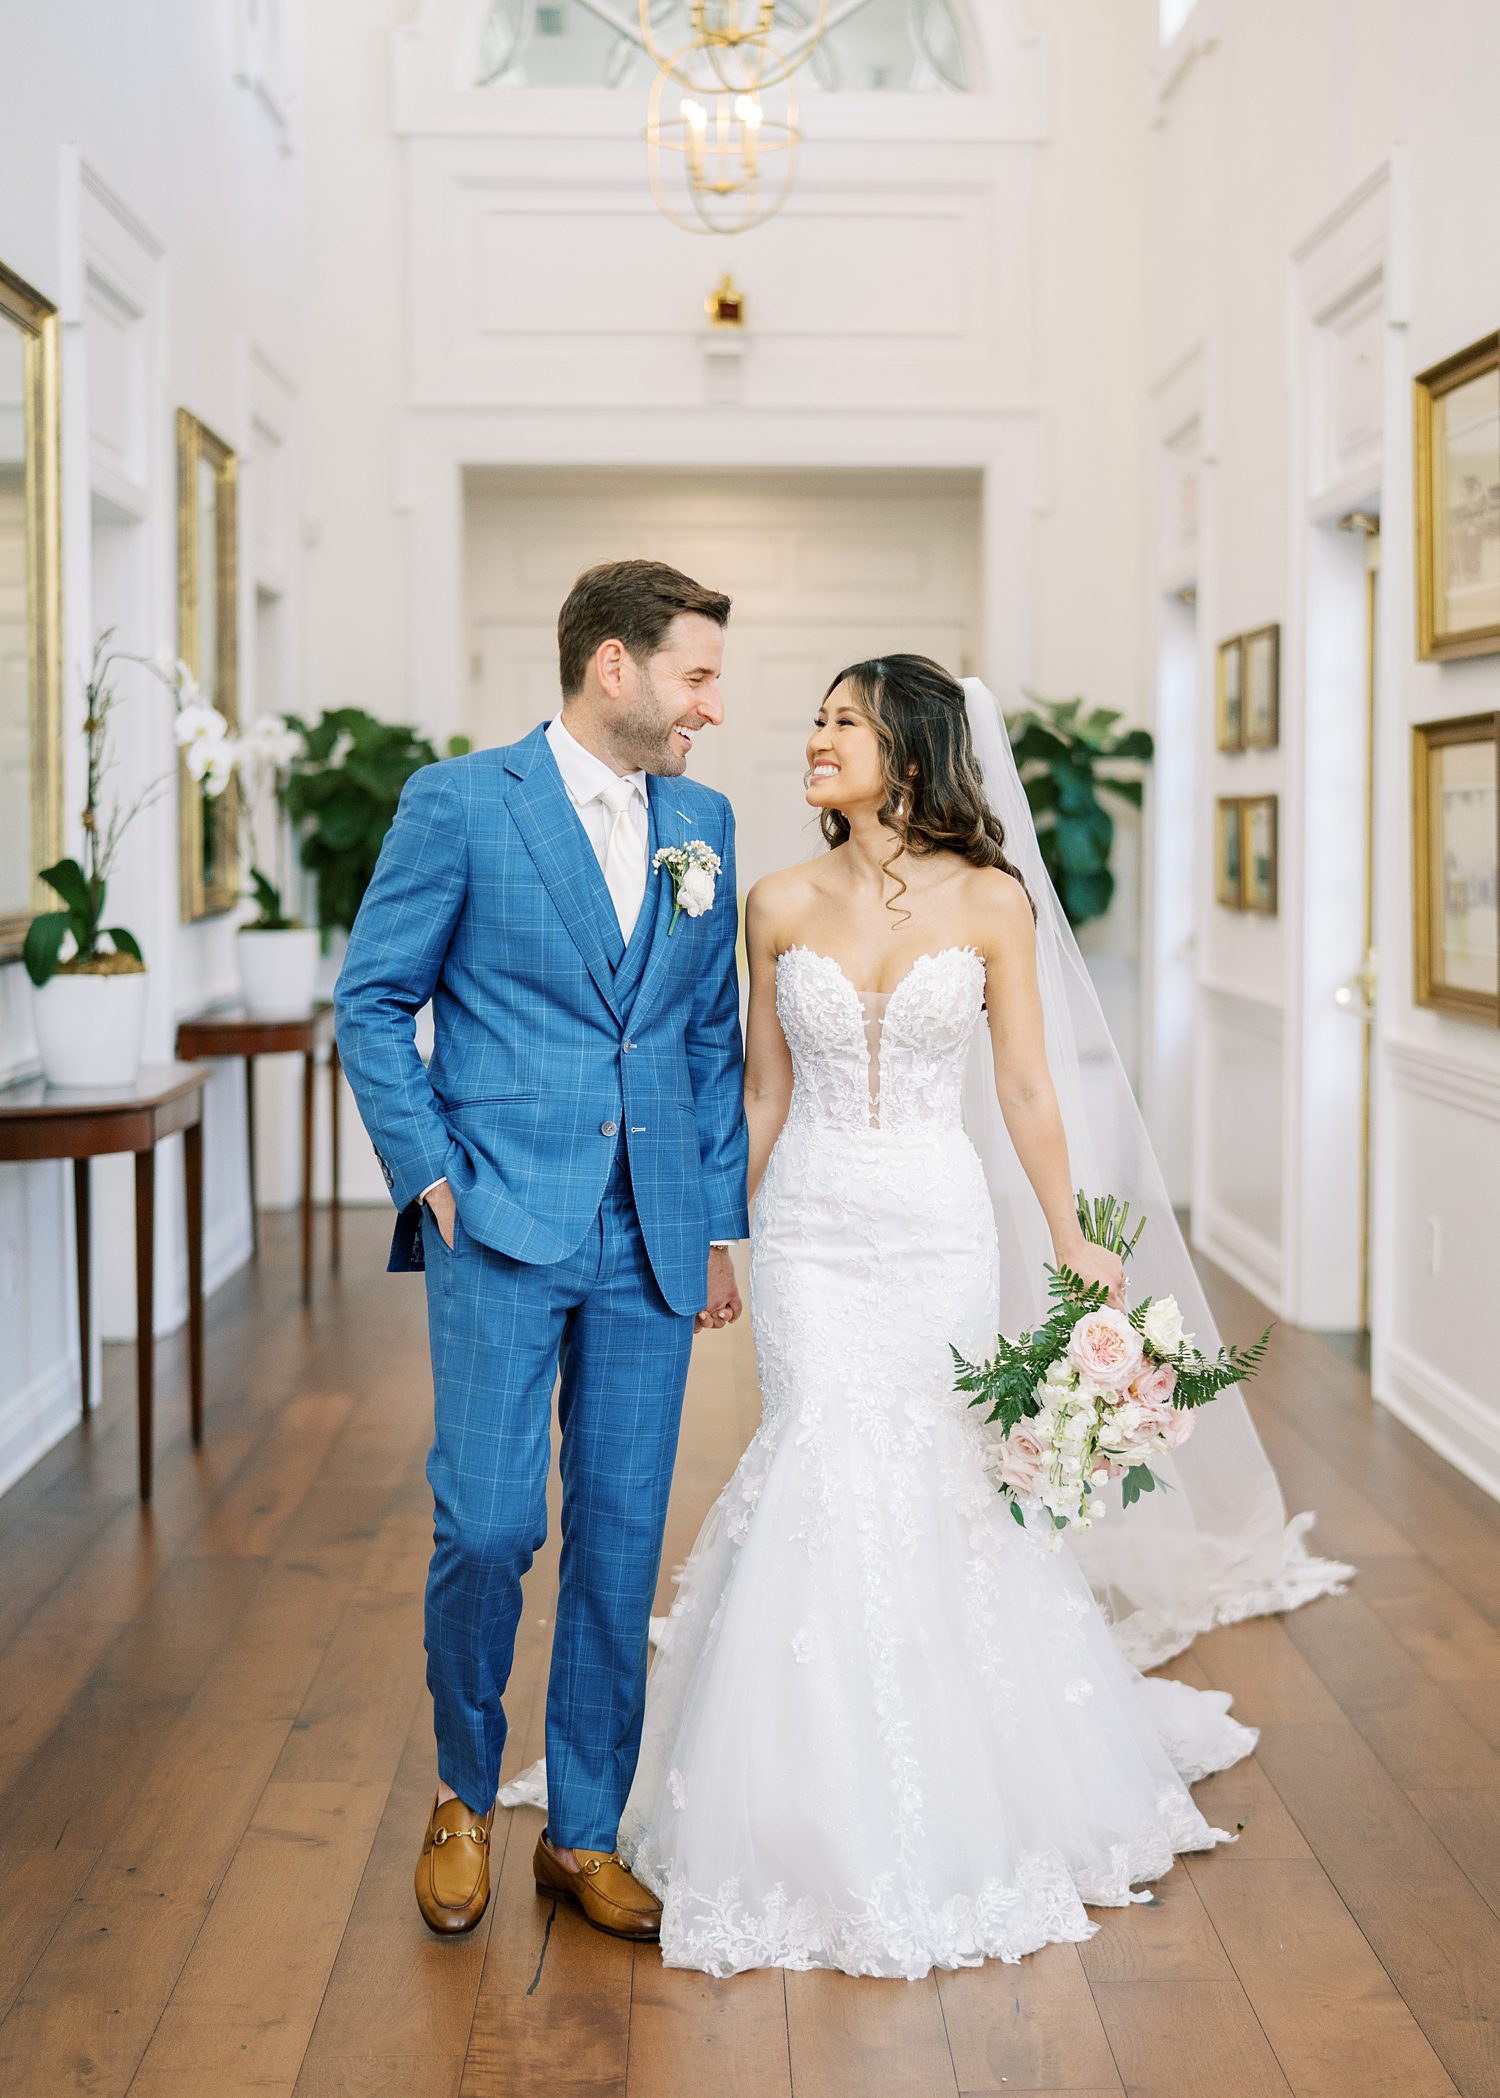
<point x="278" y="972"/>
<point x="89" y="1029"/>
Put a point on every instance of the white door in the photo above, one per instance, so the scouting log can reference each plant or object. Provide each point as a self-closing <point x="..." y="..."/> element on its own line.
<point x="824" y="571"/>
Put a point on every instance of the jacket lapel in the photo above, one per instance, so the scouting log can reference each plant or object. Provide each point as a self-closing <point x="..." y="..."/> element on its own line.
<point x="564" y="858"/>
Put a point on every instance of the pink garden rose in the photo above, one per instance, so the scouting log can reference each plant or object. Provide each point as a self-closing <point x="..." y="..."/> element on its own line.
<point x="1105" y="1348"/>
<point x="1177" y="1427"/>
<point x="1023" y="1461"/>
<point x="1153" y="1391"/>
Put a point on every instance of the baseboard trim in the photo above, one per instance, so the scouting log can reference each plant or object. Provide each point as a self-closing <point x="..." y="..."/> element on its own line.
<point x="38" y="1416"/>
<point x="1241" y="1250"/>
<point x="1448" y="1418"/>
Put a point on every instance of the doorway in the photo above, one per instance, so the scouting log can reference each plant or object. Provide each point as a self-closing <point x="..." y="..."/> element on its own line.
<point x="824" y="568"/>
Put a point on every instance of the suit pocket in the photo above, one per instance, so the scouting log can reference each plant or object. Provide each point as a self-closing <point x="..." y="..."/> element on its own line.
<point x="494" y="1100"/>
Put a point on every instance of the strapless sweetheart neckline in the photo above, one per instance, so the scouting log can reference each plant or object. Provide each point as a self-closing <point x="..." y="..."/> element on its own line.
<point x="938" y="954"/>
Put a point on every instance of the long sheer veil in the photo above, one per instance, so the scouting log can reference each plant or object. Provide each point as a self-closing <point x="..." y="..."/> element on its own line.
<point x="1217" y="1546"/>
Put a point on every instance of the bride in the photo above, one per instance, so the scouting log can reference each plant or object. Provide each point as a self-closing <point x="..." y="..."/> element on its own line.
<point x="889" y="1729"/>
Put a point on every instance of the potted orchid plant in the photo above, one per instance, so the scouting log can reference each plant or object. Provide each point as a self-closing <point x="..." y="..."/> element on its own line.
<point x="278" y="954"/>
<point x="89" y="977"/>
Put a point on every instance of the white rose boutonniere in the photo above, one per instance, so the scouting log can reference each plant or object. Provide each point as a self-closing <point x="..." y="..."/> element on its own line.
<point x="694" y="870"/>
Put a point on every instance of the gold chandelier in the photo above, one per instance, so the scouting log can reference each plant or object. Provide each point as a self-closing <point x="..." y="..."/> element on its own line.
<point x="723" y="159"/>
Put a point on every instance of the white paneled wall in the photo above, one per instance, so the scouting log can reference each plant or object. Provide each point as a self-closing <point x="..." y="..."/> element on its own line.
<point x="145" y="189"/>
<point x="1322" y="200"/>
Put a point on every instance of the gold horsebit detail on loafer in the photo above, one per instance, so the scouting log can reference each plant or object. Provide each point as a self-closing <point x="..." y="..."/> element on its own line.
<point x="598" y="1864"/>
<point x="440" y="1836"/>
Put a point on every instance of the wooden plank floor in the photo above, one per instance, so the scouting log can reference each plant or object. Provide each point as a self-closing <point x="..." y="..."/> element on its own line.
<point x="215" y="1764"/>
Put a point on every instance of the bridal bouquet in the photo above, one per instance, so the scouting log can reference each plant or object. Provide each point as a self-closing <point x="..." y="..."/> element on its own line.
<point x="1092" y="1394"/>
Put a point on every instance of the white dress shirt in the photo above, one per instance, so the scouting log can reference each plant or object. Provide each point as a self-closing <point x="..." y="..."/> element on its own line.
<point x="585" y="778"/>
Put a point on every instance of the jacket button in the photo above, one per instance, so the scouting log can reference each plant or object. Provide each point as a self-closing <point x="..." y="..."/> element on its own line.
<point x="627" y="1045"/>
<point x="609" y="1129"/>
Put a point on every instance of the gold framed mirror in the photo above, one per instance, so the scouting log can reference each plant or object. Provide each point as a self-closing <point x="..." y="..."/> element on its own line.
<point x="208" y="642"/>
<point x="31" y="758"/>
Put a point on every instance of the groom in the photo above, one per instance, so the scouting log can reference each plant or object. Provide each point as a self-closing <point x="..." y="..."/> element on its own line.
<point x="568" y="1170"/>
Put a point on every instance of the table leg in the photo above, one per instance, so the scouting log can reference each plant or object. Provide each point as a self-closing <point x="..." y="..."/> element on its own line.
<point x="145" y="1256"/>
<point x="309" y="1074"/>
<point x="336" y="1086"/>
<point x="192" y="1161"/>
<point x="82" y="1243"/>
<point x="250" y="1131"/>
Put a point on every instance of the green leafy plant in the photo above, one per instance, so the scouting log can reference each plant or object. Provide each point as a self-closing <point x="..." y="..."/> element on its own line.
<point x="271" y="913"/>
<point x="343" y="796"/>
<point x="1059" y="749"/>
<point x="84" y="887"/>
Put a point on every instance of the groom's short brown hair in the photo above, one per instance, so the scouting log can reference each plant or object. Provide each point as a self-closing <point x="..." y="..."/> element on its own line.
<point x="632" y="602"/>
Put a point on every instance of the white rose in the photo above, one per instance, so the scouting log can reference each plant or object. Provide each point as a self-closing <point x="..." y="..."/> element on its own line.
<point x="1163" y="1326"/>
<point x="695" y="892"/>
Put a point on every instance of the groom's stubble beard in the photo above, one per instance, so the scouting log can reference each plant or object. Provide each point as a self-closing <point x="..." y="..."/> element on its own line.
<point x="643" y="738"/>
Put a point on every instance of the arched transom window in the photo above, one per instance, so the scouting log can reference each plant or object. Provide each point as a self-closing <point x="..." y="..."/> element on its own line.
<point x="905" y="46"/>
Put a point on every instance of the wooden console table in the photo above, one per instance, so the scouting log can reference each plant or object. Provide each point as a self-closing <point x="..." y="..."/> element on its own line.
<point x="228" y="1031"/>
<point x="42" y="1121"/>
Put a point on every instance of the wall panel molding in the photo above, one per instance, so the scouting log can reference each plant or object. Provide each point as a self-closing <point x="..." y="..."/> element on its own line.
<point x="1451" y="1081"/>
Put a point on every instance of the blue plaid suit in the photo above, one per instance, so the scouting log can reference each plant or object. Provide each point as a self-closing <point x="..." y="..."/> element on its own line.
<point x="584" y="1102"/>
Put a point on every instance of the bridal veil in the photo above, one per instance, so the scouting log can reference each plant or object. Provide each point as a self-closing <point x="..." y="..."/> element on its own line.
<point x="1215" y="1544"/>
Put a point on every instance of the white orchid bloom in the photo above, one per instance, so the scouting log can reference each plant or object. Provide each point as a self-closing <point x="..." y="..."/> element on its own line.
<point x="211" y="764"/>
<point x="198" y="722"/>
<point x="273" y="741"/>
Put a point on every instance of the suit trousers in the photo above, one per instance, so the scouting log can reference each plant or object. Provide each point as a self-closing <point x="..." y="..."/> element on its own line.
<point x="502" y="1331"/>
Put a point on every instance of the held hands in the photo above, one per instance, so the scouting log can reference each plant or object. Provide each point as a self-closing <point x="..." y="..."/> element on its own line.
<point x="722" y="1299"/>
<point x="444" y="1209"/>
<point x="1094" y="1264"/>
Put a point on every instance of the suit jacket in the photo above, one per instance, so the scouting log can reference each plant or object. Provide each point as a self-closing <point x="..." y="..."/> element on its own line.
<point x="555" y="1043"/>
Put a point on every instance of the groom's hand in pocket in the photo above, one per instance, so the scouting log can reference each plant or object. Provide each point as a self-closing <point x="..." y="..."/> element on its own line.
<point x="722" y="1299"/>
<point x="439" y="1199"/>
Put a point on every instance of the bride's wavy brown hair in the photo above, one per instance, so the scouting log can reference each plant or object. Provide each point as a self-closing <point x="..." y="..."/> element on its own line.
<point x="934" y="796"/>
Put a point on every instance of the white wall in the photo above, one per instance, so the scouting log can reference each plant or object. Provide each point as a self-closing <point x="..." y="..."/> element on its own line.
<point x="147" y="189"/>
<point x="1322" y="215"/>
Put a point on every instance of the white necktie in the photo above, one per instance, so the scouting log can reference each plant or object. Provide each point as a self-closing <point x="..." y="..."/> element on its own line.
<point x="624" y="857"/>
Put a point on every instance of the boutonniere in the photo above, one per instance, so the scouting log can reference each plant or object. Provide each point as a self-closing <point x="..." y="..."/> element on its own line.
<point x="694" y="870"/>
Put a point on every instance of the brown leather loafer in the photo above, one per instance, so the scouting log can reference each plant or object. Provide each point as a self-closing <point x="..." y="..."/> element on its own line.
<point x="453" y="1872"/>
<point x="604" y="1887"/>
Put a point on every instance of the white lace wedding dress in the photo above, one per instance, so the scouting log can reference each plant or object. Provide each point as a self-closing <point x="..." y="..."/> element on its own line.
<point x="888" y="1729"/>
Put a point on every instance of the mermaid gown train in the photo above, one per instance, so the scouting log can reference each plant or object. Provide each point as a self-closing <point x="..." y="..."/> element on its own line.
<point x="888" y="1729"/>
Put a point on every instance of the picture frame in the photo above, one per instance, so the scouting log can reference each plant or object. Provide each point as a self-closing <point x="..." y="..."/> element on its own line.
<point x="1456" y="866"/>
<point x="208" y="642"/>
<point x="1259" y="869"/>
<point x="1229" y="695"/>
<point x="1261" y="706"/>
<point x="1228" y="853"/>
<point x="31" y="696"/>
<point x="1456" y="459"/>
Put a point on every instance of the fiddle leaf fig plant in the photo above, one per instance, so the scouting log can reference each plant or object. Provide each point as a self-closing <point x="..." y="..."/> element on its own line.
<point x="342" y="795"/>
<point x="1060" y="750"/>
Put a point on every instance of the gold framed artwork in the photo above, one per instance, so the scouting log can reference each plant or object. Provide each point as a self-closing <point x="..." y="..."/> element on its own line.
<point x="1228" y="858"/>
<point x="1262" y="688"/>
<point x="208" y="642"/>
<point x="31" y="770"/>
<point x="1456" y="866"/>
<point x="1229" y="689"/>
<point x="1258" y="854"/>
<point x="1457" y="464"/>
